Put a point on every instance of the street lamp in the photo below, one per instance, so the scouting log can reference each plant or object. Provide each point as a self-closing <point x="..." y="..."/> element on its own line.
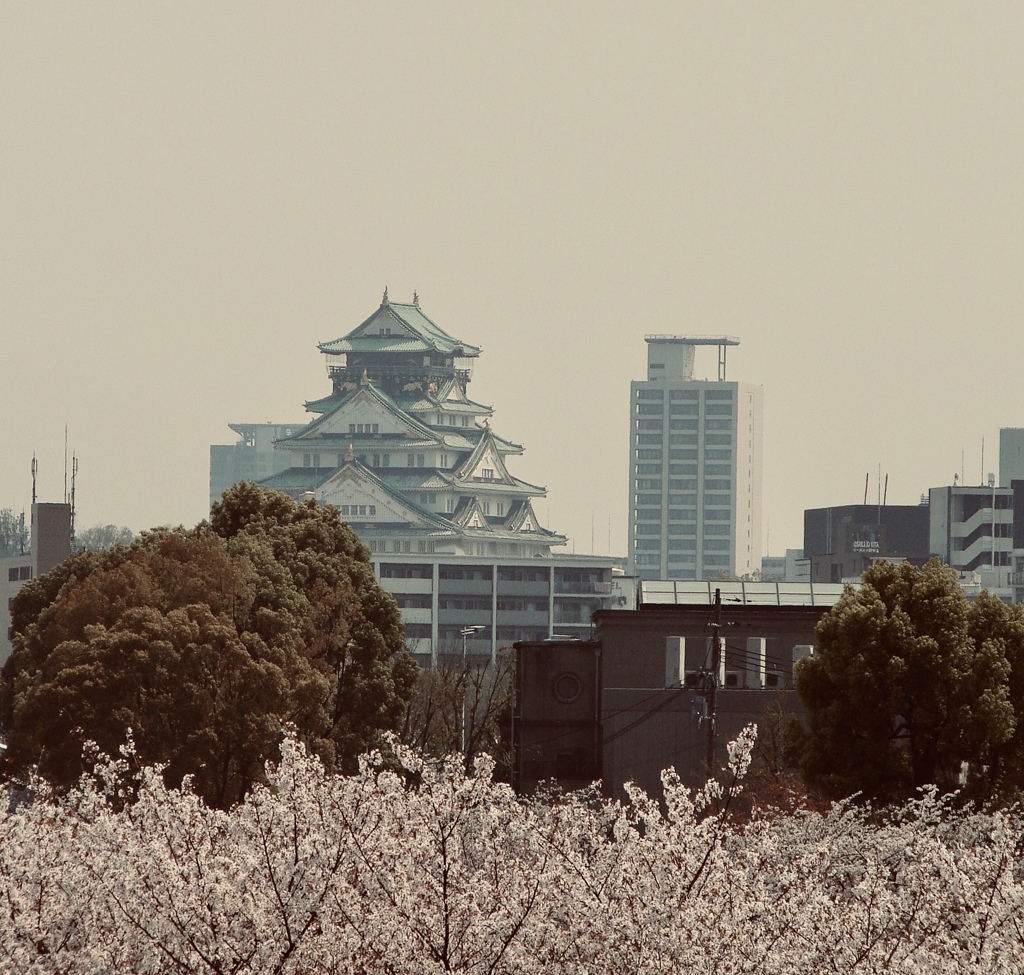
<point x="467" y="632"/>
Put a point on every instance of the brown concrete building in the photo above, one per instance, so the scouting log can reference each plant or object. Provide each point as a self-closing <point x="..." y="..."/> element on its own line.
<point x="634" y="700"/>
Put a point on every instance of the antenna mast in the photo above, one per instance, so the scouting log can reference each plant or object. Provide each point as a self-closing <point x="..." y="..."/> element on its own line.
<point x="35" y="471"/>
<point x="74" y="475"/>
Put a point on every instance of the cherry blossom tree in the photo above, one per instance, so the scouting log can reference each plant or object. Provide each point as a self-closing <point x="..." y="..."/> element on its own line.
<point x="425" y="869"/>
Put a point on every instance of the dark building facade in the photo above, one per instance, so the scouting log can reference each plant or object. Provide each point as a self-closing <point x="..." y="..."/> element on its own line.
<point x="629" y="704"/>
<point x="842" y="541"/>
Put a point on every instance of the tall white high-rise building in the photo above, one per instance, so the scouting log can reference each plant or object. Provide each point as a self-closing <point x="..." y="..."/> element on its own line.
<point x="695" y="466"/>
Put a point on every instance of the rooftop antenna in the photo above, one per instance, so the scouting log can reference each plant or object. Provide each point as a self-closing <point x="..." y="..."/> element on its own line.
<point x="74" y="474"/>
<point x="66" y="463"/>
<point x="35" y="471"/>
<point x="885" y="490"/>
<point x="982" y="481"/>
<point x="866" y="476"/>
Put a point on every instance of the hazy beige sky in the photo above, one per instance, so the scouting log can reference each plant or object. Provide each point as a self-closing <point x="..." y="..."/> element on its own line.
<point x="192" y="195"/>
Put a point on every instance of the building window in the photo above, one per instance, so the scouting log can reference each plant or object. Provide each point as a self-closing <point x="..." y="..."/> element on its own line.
<point x="410" y="460"/>
<point x="488" y="473"/>
<point x="449" y="505"/>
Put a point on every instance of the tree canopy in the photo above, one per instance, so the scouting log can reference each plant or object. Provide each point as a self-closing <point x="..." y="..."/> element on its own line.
<point x="334" y="874"/>
<point x="205" y="643"/>
<point x="912" y="685"/>
<point x="100" y="537"/>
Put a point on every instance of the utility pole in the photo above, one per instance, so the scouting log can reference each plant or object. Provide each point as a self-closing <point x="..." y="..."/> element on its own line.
<point x="716" y="666"/>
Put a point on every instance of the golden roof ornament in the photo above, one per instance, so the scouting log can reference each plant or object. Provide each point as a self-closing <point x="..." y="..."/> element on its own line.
<point x="350" y="454"/>
<point x="416" y="299"/>
<point x="365" y="381"/>
<point x="384" y="301"/>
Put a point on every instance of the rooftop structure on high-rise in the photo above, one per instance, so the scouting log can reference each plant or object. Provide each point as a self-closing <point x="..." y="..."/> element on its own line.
<point x="695" y="466"/>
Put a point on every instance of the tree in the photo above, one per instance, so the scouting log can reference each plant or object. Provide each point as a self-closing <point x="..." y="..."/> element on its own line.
<point x="13" y="533"/>
<point x="206" y="647"/>
<point x="311" y="562"/>
<point x="458" y="707"/>
<point x="361" y="873"/>
<point x="162" y="640"/>
<point x="909" y="686"/>
<point x="101" y="537"/>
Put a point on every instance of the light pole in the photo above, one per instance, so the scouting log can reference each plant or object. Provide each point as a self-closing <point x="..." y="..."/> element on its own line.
<point x="467" y="632"/>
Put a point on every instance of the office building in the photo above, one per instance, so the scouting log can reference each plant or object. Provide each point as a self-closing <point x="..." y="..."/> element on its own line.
<point x="49" y="544"/>
<point x="251" y="458"/>
<point x="1011" y="455"/>
<point x="695" y="467"/>
<point x="972" y="529"/>
<point x="840" y="542"/>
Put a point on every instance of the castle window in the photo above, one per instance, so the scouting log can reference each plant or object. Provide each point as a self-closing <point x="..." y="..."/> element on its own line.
<point x="488" y="473"/>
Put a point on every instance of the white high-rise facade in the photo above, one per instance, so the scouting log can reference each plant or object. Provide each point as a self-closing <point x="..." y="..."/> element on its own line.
<point x="695" y="466"/>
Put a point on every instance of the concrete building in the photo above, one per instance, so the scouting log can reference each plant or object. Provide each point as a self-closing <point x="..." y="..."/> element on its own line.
<point x="50" y="544"/>
<point x="629" y="703"/>
<point x="251" y="458"/>
<point x="791" y="567"/>
<point x="414" y="465"/>
<point x="840" y="542"/>
<point x="1011" y="455"/>
<point x="695" y="467"/>
<point x="972" y="529"/>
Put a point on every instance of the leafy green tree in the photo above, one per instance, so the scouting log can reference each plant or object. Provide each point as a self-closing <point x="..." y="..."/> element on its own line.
<point x="310" y="561"/>
<point x="161" y="640"/>
<point x="206" y="644"/>
<point x="910" y="685"/>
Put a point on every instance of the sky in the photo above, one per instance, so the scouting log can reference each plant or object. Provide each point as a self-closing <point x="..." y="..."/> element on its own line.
<point x="194" y="195"/>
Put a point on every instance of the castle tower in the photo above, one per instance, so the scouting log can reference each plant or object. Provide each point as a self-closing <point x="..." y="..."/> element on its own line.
<point x="407" y="456"/>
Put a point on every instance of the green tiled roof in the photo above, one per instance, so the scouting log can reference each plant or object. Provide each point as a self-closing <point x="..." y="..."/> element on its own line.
<point x="425" y="334"/>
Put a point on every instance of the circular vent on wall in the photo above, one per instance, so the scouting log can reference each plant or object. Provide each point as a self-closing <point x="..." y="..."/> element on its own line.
<point x="566" y="688"/>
